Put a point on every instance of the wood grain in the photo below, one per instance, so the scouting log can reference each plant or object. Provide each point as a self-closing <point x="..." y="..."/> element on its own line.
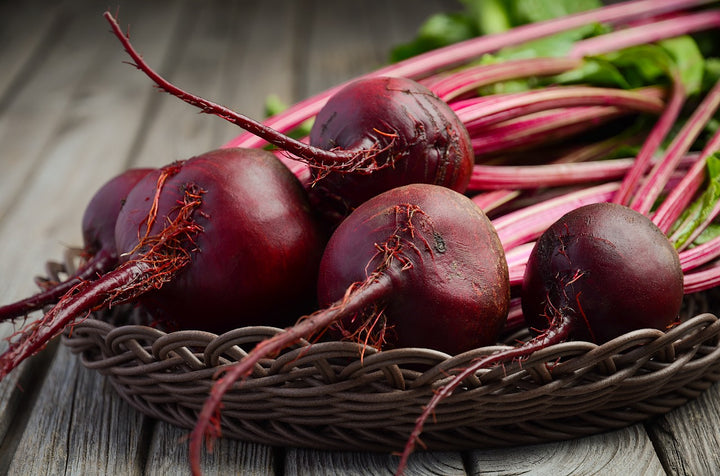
<point x="687" y="439"/>
<point x="622" y="452"/>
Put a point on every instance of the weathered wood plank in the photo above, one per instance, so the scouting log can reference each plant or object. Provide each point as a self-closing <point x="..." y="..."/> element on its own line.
<point x="623" y="452"/>
<point x="43" y="447"/>
<point x="18" y="393"/>
<point x="78" y="426"/>
<point x="168" y="454"/>
<point x="300" y="462"/>
<point x="261" y="60"/>
<point x="26" y="28"/>
<point x="687" y="439"/>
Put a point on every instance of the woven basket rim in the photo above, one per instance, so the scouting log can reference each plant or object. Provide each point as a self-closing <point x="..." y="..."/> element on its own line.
<point x="343" y="395"/>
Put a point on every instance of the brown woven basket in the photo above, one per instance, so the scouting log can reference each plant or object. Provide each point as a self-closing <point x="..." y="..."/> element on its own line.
<point x="327" y="396"/>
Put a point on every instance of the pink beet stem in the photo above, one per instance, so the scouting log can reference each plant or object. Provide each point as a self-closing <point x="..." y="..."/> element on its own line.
<point x="486" y="111"/>
<point x="650" y="190"/>
<point x="457" y="84"/>
<point x="671" y="208"/>
<point x="540" y="128"/>
<point x="493" y="177"/>
<point x="702" y="279"/>
<point x="463" y="52"/>
<point x="652" y="142"/>
<point x="304" y="151"/>
<point x="646" y="33"/>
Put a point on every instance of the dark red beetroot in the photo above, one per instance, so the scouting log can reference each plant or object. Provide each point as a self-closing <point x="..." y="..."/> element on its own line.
<point x="222" y="240"/>
<point x="394" y="129"/>
<point x="607" y="270"/>
<point x="418" y="137"/>
<point x="99" y="250"/>
<point x="446" y="283"/>
<point x="258" y="238"/>
<point x="422" y="259"/>
<point x="598" y="272"/>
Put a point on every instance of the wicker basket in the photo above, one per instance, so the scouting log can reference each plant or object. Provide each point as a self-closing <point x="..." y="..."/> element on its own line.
<point x="327" y="396"/>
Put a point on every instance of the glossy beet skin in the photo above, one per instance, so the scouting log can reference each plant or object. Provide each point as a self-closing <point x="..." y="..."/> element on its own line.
<point x="99" y="250"/>
<point x="255" y="260"/>
<point x="449" y="287"/>
<point x="610" y="268"/>
<point x="417" y="136"/>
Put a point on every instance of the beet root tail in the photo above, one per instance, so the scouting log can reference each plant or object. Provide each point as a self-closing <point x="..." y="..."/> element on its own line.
<point x="97" y="265"/>
<point x="81" y="300"/>
<point x="366" y="294"/>
<point x="556" y="333"/>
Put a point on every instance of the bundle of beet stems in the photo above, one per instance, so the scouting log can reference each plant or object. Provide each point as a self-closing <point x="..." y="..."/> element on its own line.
<point x="622" y="114"/>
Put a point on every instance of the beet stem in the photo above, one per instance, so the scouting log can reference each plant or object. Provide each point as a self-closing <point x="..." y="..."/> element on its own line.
<point x="467" y="80"/>
<point x="671" y="208"/>
<point x="494" y="177"/>
<point x="653" y="141"/>
<point x="651" y="189"/>
<point x="541" y="128"/>
<point x="646" y="33"/>
<point x="335" y="159"/>
<point x="478" y="113"/>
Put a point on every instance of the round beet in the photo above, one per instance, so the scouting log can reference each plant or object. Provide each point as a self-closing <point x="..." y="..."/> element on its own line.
<point x="402" y="130"/>
<point x="256" y="251"/>
<point x="609" y="267"/>
<point x="447" y="280"/>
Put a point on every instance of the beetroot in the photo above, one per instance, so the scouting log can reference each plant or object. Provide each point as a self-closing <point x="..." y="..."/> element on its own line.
<point x="99" y="250"/>
<point x="418" y="265"/>
<point x="447" y="285"/>
<point x="606" y="270"/>
<point x="258" y="236"/>
<point x="221" y="240"/>
<point x="409" y="134"/>
<point x="390" y="128"/>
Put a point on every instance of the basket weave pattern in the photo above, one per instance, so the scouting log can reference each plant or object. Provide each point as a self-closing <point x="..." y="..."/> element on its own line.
<point x="341" y="395"/>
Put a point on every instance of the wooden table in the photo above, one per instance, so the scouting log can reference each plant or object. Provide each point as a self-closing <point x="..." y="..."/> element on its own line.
<point x="72" y="115"/>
